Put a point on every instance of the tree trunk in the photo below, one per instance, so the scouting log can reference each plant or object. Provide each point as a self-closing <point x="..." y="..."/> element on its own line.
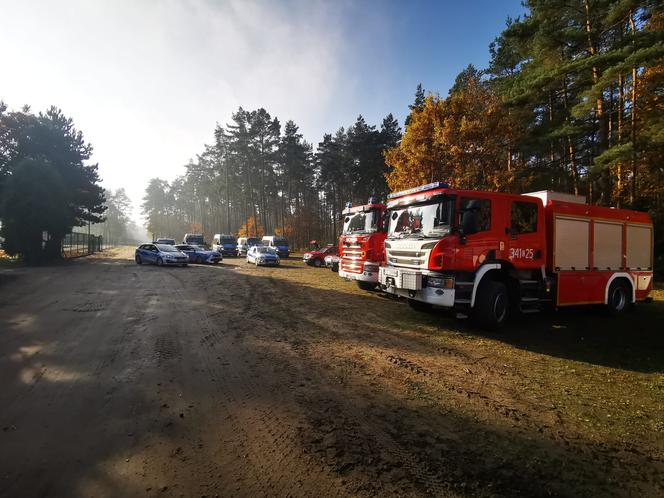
<point x="634" y="191"/>
<point x="619" y="172"/>
<point x="599" y="109"/>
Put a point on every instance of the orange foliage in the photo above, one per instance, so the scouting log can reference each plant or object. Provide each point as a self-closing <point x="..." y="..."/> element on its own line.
<point x="463" y="139"/>
<point x="252" y="228"/>
<point x="195" y="227"/>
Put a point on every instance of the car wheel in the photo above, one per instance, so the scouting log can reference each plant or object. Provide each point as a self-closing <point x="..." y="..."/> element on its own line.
<point x="620" y="299"/>
<point x="184" y="265"/>
<point x="492" y="305"/>
<point x="317" y="263"/>
<point x="159" y="262"/>
<point x="199" y="260"/>
<point x="138" y="259"/>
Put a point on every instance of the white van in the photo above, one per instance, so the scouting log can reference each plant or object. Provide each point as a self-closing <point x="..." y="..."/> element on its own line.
<point x="225" y="244"/>
<point x="244" y="243"/>
<point x="280" y="244"/>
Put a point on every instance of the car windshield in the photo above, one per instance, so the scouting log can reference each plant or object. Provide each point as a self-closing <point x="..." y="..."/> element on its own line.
<point x="227" y="240"/>
<point x="184" y="248"/>
<point x="254" y="242"/>
<point x="362" y="222"/>
<point x="280" y="241"/>
<point x="265" y="250"/>
<point x="166" y="248"/>
<point x="433" y="219"/>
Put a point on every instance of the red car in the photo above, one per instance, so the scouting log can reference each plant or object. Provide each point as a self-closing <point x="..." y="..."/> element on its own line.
<point x="317" y="257"/>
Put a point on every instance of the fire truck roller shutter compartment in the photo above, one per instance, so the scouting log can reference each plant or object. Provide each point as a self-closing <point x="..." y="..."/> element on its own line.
<point x="639" y="247"/>
<point x="608" y="245"/>
<point x="572" y="244"/>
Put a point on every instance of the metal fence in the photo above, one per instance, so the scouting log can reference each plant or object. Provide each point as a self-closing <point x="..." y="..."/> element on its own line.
<point x="81" y="244"/>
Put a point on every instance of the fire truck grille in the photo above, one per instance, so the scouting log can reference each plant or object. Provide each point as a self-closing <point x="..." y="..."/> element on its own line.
<point x="352" y="252"/>
<point x="352" y="266"/>
<point x="407" y="258"/>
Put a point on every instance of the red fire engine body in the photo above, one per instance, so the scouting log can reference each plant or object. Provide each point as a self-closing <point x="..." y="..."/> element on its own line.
<point x="361" y="246"/>
<point x="492" y="254"/>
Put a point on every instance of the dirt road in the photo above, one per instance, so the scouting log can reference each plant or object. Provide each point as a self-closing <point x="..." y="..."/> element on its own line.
<point x="126" y="380"/>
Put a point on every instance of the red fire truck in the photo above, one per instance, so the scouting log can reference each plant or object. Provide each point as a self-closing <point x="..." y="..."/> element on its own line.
<point x="361" y="243"/>
<point x="490" y="255"/>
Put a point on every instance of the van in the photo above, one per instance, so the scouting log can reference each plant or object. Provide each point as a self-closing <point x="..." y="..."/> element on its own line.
<point x="280" y="244"/>
<point x="224" y="244"/>
<point x="194" y="238"/>
<point x="244" y="243"/>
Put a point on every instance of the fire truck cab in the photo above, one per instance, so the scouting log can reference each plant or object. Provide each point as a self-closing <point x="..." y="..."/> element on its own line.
<point x="490" y="254"/>
<point x="361" y="243"/>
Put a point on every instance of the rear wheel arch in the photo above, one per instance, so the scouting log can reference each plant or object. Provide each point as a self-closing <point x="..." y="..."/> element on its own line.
<point x="620" y="295"/>
<point x="622" y="276"/>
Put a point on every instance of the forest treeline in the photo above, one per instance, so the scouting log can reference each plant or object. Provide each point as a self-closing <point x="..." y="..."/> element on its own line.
<point x="258" y="178"/>
<point x="572" y="100"/>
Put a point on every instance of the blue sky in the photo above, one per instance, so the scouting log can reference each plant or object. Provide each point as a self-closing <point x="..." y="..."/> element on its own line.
<point x="426" y="42"/>
<point x="147" y="81"/>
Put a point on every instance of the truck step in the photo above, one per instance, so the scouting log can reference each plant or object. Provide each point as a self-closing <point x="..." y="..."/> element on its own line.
<point x="462" y="301"/>
<point x="464" y="283"/>
<point x="529" y="299"/>
<point x="531" y="310"/>
<point x="528" y="282"/>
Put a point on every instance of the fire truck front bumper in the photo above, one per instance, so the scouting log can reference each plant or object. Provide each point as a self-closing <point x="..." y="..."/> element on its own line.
<point x="432" y="288"/>
<point x="369" y="273"/>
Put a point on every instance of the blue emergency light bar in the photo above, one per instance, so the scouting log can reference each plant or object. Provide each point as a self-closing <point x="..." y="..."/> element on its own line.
<point x="421" y="188"/>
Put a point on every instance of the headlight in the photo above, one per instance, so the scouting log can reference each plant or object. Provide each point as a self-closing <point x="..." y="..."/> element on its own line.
<point x="440" y="282"/>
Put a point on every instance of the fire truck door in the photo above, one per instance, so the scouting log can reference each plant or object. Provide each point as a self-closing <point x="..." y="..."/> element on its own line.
<point x="526" y="239"/>
<point x="475" y="223"/>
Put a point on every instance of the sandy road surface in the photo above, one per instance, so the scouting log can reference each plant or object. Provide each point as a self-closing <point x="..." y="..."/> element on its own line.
<point x="126" y="380"/>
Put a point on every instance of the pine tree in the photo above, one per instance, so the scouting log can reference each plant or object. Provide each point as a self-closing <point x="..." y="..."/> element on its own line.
<point x="418" y="104"/>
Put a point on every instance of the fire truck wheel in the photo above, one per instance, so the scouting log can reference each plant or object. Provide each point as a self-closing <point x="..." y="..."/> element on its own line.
<point x="419" y="305"/>
<point x="492" y="305"/>
<point x="368" y="286"/>
<point x="317" y="262"/>
<point x="619" y="297"/>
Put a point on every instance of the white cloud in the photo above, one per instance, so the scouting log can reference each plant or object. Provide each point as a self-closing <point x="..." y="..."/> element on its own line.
<point x="146" y="81"/>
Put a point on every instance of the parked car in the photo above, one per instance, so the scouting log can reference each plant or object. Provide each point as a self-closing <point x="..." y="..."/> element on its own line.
<point x="193" y="238"/>
<point x="170" y="242"/>
<point x="160" y="254"/>
<point x="262" y="255"/>
<point x="225" y="244"/>
<point x="198" y="254"/>
<point x="280" y="244"/>
<point x="317" y="257"/>
<point x="246" y="243"/>
<point x="332" y="262"/>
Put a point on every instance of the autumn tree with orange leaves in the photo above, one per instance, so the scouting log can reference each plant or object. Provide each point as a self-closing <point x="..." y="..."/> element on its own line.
<point x="465" y="139"/>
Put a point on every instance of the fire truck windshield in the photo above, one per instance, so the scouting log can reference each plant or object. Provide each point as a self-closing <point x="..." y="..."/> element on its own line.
<point x="433" y="219"/>
<point x="362" y="222"/>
